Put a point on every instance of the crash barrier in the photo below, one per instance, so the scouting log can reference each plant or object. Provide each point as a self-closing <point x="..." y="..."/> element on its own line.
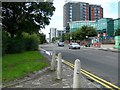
<point x="77" y="68"/>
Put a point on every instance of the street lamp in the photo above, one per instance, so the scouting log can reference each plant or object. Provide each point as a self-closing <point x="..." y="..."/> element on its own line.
<point x="86" y="36"/>
<point x="70" y="31"/>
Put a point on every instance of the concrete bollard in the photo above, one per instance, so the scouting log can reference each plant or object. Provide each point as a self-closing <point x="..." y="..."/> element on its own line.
<point x="53" y="62"/>
<point x="59" y="66"/>
<point x="77" y="74"/>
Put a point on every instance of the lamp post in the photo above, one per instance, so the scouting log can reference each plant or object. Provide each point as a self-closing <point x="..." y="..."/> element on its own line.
<point x="86" y="40"/>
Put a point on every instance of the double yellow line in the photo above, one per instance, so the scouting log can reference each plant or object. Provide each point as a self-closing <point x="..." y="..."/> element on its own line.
<point x="101" y="81"/>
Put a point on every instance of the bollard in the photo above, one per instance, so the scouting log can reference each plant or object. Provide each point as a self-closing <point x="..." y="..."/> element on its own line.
<point x="53" y="62"/>
<point x="76" y="77"/>
<point x="59" y="66"/>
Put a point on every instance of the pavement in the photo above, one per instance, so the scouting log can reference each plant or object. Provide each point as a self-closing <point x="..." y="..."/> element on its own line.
<point x="106" y="47"/>
<point x="47" y="79"/>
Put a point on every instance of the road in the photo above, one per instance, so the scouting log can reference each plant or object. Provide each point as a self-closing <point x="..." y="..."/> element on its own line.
<point x="101" y="63"/>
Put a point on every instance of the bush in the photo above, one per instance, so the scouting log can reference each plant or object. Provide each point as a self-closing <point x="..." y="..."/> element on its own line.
<point x="16" y="45"/>
<point x="31" y="41"/>
<point x="42" y="38"/>
<point x="5" y="38"/>
<point x="117" y="33"/>
<point x="19" y="44"/>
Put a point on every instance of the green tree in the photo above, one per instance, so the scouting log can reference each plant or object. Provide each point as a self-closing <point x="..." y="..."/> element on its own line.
<point x="88" y="31"/>
<point x="117" y="33"/>
<point x="67" y="36"/>
<point x="42" y="38"/>
<point x="27" y="17"/>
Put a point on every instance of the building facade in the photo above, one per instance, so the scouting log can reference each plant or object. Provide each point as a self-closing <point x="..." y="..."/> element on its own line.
<point x="80" y="11"/>
<point x="116" y="24"/>
<point x="52" y="34"/>
<point x="60" y="33"/>
<point x="95" y="12"/>
<point x="103" y="25"/>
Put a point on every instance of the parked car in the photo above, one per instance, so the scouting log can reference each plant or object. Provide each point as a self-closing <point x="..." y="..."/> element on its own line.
<point x="74" y="46"/>
<point x="60" y="43"/>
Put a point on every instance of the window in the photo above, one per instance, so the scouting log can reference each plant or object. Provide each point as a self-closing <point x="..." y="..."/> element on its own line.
<point x="81" y="4"/>
<point x="70" y="10"/>
<point x="70" y="19"/>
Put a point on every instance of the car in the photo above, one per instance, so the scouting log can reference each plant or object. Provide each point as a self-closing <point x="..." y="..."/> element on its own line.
<point x="74" y="46"/>
<point x="60" y="43"/>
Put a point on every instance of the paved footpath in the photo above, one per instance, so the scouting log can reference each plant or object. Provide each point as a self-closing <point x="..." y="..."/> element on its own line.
<point x="105" y="48"/>
<point x="47" y="79"/>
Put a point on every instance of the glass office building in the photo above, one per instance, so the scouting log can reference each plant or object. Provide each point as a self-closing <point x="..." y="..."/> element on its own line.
<point x="104" y="25"/>
<point x="78" y="24"/>
<point x="116" y="24"/>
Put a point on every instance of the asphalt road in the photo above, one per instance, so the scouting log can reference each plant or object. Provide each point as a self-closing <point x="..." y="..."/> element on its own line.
<point x="101" y="63"/>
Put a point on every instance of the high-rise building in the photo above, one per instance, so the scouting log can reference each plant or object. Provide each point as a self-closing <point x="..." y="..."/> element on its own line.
<point x="80" y="11"/>
<point x="96" y="12"/>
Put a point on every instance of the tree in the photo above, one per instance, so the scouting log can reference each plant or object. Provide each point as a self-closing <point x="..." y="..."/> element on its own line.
<point x="88" y="31"/>
<point x="117" y="33"/>
<point x="67" y="36"/>
<point x="27" y="17"/>
<point x="78" y="35"/>
<point x="42" y="38"/>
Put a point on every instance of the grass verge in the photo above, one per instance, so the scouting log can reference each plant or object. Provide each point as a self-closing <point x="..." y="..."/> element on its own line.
<point x="18" y="65"/>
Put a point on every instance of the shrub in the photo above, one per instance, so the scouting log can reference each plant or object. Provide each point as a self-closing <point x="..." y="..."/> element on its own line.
<point x="19" y="44"/>
<point x="5" y="38"/>
<point x="16" y="45"/>
<point x="117" y="33"/>
<point x="31" y="41"/>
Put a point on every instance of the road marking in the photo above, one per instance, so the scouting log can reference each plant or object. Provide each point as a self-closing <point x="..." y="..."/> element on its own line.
<point x="90" y="75"/>
<point x="94" y="77"/>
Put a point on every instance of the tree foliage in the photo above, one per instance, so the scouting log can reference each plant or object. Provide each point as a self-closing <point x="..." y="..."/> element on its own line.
<point x="117" y="33"/>
<point x="88" y="31"/>
<point x="27" y="17"/>
<point x="42" y="38"/>
<point x="81" y="33"/>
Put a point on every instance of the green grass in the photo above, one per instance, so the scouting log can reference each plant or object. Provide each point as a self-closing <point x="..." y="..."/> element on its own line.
<point x="18" y="65"/>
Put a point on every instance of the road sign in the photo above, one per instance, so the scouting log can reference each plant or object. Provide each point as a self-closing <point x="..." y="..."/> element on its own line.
<point x="104" y="34"/>
<point x="98" y="35"/>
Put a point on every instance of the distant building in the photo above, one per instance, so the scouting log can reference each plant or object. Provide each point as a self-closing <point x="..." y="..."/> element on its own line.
<point x="103" y="25"/>
<point x="80" y="11"/>
<point x="55" y="33"/>
<point x="52" y="34"/>
<point x="116" y="24"/>
<point x="60" y="33"/>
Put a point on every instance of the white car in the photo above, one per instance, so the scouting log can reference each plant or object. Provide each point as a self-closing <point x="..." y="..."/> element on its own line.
<point x="74" y="46"/>
<point x="60" y="43"/>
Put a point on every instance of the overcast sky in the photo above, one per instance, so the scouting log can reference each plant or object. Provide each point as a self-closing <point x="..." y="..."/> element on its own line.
<point x="110" y="10"/>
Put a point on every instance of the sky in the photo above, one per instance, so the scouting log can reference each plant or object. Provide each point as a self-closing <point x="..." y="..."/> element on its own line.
<point x="110" y="10"/>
